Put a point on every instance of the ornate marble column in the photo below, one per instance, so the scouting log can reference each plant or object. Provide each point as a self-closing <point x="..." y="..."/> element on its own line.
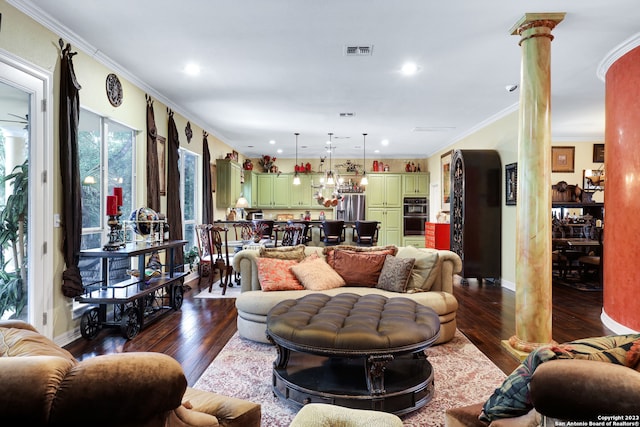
<point x="533" y="212"/>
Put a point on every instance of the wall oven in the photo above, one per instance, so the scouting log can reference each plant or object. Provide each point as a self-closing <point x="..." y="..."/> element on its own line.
<point x="416" y="213"/>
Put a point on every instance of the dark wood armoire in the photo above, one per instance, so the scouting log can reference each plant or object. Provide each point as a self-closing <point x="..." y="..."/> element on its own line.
<point x="476" y="212"/>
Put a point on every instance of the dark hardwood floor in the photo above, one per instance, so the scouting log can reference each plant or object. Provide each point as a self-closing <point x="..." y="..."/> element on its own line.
<point x="196" y="333"/>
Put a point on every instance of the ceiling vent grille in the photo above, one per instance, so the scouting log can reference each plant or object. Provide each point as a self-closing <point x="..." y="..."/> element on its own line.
<point x="347" y="114"/>
<point x="358" y="50"/>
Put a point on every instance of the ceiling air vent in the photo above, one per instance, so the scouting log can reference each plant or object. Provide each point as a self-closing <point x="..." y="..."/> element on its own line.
<point x="347" y="114"/>
<point x="358" y="50"/>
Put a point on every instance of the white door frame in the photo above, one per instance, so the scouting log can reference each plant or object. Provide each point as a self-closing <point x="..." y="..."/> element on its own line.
<point x="15" y="72"/>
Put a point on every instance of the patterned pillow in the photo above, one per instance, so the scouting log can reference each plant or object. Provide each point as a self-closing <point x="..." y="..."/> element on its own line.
<point x="395" y="273"/>
<point x="330" y="251"/>
<point x="275" y="274"/>
<point x="425" y="269"/>
<point x="315" y="274"/>
<point x="284" y="252"/>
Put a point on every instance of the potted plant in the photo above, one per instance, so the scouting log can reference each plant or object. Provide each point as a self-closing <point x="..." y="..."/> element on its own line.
<point x="191" y="257"/>
<point x="13" y="235"/>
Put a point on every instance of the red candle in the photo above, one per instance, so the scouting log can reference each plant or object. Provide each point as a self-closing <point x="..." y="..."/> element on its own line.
<point x="112" y="205"/>
<point x="117" y="191"/>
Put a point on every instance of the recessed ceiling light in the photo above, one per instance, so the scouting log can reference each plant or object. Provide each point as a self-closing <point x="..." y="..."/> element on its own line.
<point x="279" y="151"/>
<point x="409" y="68"/>
<point x="192" y="69"/>
<point x="273" y="141"/>
<point x="384" y="142"/>
<point x="376" y="151"/>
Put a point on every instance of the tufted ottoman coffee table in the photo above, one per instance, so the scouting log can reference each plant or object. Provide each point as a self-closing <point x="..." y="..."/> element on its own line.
<point x="363" y="352"/>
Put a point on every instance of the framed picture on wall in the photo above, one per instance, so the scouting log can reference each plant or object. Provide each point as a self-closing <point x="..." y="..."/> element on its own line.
<point x="511" y="184"/>
<point x="160" y="145"/>
<point x="598" y="153"/>
<point x="445" y="181"/>
<point x="562" y="159"/>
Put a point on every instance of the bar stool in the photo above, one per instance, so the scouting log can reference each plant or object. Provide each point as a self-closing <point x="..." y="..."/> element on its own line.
<point x="365" y="233"/>
<point x="332" y="232"/>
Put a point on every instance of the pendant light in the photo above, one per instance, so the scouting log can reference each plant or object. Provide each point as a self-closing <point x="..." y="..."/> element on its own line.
<point x="364" y="181"/>
<point x="330" y="178"/>
<point x="296" y="178"/>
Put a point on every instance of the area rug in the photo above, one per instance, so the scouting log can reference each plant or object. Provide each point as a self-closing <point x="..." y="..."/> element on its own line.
<point x="463" y="376"/>
<point x="216" y="291"/>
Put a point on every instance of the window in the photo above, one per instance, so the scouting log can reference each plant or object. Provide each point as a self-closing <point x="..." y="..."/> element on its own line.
<point x="106" y="155"/>
<point x="189" y="195"/>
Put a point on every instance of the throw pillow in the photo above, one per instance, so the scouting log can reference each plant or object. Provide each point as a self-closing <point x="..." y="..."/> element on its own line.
<point x="275" y="274"/>
<point x="330" y="251"/>
<point x="425" y="269"/>
<point x="315" y="274"/>
<point x="284" y="252"/>
<point x="395" y="273"/>
<point x="359" y="268"/>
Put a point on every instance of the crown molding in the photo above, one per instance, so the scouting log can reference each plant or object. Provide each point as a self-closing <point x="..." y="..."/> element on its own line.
<point x="44" y="19"/>
<point x="615" y="54"/>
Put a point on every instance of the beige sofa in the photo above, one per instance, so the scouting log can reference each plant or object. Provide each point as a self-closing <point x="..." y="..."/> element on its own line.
<point x="42" y="384"/>
<point x="253" y="303"/>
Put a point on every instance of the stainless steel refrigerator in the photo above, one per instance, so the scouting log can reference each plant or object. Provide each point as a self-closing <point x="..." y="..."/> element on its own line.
<point x="351" y="207"/>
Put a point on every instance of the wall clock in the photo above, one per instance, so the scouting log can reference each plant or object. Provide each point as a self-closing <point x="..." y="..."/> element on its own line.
<point x="114" y="90"/>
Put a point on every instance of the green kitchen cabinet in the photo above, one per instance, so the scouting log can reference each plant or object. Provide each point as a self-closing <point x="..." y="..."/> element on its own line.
<point x="273" y="190"/>
<point x="415" y="184"/>
<point x="390" y="219"/>
<point x="301" y="195"/>
<point x="415" y="241"/>
<point x="384" y="190"/>
<point x="250" y="188"/>
<point x="228" y="183"/>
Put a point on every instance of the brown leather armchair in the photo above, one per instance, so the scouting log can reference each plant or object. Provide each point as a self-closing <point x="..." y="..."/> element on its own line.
<point x="42" y="384"/>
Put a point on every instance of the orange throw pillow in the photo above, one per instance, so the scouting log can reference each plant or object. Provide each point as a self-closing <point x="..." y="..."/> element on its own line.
<point x="276" y="275"/>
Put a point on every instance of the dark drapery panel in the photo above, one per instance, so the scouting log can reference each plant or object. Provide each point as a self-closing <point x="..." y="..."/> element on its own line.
<point x="207" y="199"/>
<point x="174" y="214"/>
<point x="70" y="169"/>
<point x="153" y="173"/>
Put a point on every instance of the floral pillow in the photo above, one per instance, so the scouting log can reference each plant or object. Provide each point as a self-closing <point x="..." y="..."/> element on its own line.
<point x="276" y="275"/>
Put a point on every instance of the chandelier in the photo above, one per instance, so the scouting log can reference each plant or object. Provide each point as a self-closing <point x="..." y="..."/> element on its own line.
<point x="329" y="179"/>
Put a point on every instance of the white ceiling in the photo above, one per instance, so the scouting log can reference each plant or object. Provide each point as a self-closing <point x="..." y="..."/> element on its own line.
<point x="272" y="68"/>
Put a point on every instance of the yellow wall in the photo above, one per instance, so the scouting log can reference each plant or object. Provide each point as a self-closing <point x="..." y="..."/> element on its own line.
<point x="30" y="41"/>
<point x="502" y="135"/>
<point x="23" y="37"/>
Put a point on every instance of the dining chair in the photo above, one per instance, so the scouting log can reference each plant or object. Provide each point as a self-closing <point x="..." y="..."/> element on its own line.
<point x="243" y="230"/>
<point x="593" y="260"/>
<point x="205" y="251"/>
<point x="306" y="232"/>
<point x="264" y="229"/>
<point x="332" y="232"/>
<point x="292" y="235"/>
<point x="222" y="262"/>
